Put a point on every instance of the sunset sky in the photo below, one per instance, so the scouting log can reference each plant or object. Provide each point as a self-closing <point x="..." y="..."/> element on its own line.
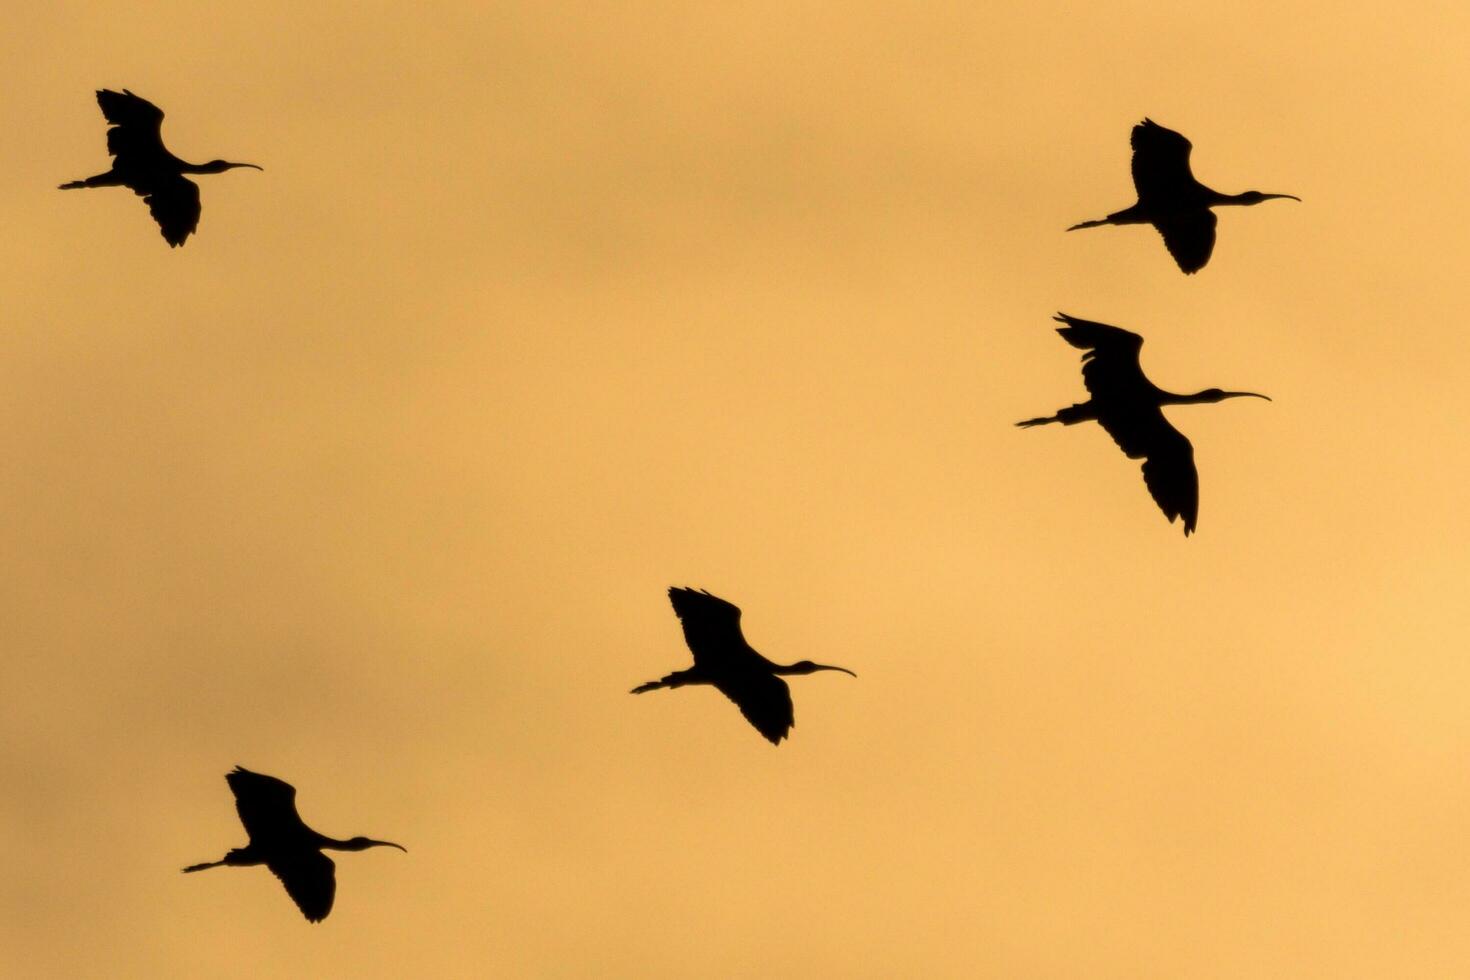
<point x="378" y="483"/>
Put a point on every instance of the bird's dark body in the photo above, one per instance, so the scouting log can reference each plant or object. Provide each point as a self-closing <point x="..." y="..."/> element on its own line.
<point x="1128" y="407"/>
<point x="284" y="844"/>
<point x="723" y="660"/>
<point x="1170" y="199"/>
<point x="142" y="164"/>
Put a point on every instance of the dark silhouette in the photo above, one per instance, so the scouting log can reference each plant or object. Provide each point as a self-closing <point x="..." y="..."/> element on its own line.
<point x="1170" y="199"/>
<point x="142" y="164"/>
<point x="281" y="842"/>
<point x="723" y="658"/>
<point x="1126" y="404"/>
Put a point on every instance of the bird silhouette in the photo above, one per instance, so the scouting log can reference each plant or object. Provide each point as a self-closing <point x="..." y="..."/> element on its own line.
<point x="1127" y="405"/>
<point x="280" y="841"/>
<point x="1170" y="199"/>
<point x="723" y="659"/>
<point x="142" y="164"/>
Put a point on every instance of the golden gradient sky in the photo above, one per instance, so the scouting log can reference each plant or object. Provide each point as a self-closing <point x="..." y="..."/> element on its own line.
<point x="377" y="484"/>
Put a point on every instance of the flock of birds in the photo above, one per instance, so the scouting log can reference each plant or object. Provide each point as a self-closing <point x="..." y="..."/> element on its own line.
<point x="1123" y="401"/>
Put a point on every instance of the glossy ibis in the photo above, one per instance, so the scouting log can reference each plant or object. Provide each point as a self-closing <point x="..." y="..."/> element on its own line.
<point x="282" y="842"/>
<point x="1170" y="199"/>
<point x="142" y="164"/>
<point x="1127" y="405"/>
<point x="723" y="659"/>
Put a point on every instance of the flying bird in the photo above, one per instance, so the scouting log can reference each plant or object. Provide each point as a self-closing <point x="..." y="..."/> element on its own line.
<point x="142" y="164"/>
<point x="1127" y="405"/>
<point x="280" y="841"/>
<point x="1170" y="199"/>
<point x="723" y="659"/>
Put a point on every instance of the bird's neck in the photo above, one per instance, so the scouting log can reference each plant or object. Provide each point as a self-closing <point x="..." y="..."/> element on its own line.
<point x="213" y="167"/>
<point x="1216" y="198"/>
<point x="1175" y="398"/>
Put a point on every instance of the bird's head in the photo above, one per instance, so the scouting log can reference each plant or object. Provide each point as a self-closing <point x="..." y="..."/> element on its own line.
<point x="220" y="166"/>
<point x="1256" y="197"/>
<point x="1216" y="395"/>
<point x="363" y="843"/>
<point x="807" y="667"/>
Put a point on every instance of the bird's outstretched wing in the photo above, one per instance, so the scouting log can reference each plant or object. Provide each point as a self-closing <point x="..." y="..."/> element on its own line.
<point x="174" y="204"/>
<point x="1160" y="163"/>
<point x="1190" y="237"/>
<point x="711" y="626"/>
<point x="764" y="700"/>
<point x="1110" y="368"/>
<point x="137" y="124"/>
<point x="1111" y="372"/>
<point x="310" y="880"/>
<point x="136" y="139"/>
<point x="1142" y="432"/>
<point x="1171" y="477"/>
<point x="267" y="805"/>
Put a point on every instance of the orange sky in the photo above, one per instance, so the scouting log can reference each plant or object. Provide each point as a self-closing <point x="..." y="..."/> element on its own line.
<point x="377" y="485"/>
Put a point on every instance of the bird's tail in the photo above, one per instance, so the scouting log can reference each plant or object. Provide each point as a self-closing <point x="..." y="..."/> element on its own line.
<point x="1070" y="415"/>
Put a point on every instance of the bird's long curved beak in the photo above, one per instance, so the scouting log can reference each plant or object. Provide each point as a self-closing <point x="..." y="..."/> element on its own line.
<point x="829" y="667"/>
<point x="388" y="843"/>
<point x="1246" y="394"/>
<point x="1291" y="196"/>
<point x="250" y="165"/>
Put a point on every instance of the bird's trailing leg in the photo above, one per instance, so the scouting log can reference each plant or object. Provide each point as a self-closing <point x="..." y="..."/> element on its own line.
<point x="1127" y="216"/>
<point x="1070" y="415"/>
<point x="108" y="179"/>
<point x="677" y="679"/>
<point x="206" y="864"/>
<point x="238" y="858"/>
